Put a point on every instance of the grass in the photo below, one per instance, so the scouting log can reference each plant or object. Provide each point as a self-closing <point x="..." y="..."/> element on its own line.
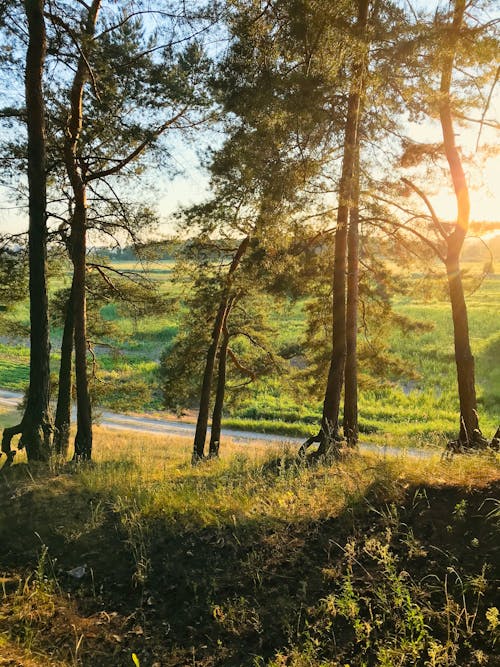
<point x="423" y="409"/>
<point x="14" y="367"/>
<point x="255" y="559"/>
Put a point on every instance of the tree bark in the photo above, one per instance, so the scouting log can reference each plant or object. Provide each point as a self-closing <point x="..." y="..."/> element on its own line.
<point x="351" y="428"/>
<point x="213" y="450"/>
<point x="331" y="404"/>
<point x="36" y="426"/>
<point x="206" y="386"/>
<point x="469" y="434"/>
<point x="62" y="421"/>
<point x="83" y="438"/>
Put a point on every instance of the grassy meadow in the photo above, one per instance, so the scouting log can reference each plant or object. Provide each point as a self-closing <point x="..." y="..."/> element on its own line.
<point x="423" y="410"/>
<point x="252" y="560"/>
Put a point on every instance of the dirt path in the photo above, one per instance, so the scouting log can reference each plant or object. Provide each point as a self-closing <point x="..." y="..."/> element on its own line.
<point x="154" y="425"/>
<point x="147" y="424"/>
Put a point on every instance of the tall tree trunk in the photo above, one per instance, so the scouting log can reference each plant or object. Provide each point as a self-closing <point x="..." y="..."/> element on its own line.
<point x="469" y="434"/>
<point x="351" y="428"/>
<point x="331" y="404"/>
<point x="469" y="423"/>
<point x="83" y="439"/>
<point x="213" y="450"/>
<point x="62" y="421"/>
<point x="35" y="426"/>
<point x="206" y="386"/>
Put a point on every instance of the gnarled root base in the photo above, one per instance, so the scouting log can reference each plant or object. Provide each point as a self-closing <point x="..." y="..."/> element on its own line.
<point x="8" y="434"/>
<point x="329" y="450"/>
<point x="36" y="438"/>
<point x="477" y="443"/>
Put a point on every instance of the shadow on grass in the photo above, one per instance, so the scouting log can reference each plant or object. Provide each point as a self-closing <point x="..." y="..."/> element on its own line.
<point x="225" y="594"/>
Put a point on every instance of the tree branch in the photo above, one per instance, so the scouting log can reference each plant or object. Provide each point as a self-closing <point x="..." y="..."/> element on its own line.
<point x="425" y="199"/>
<point x="135" y="153"/>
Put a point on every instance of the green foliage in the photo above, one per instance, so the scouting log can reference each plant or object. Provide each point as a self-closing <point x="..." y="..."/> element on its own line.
<point x="489" y="371"/>
<point x="13" y="276"/>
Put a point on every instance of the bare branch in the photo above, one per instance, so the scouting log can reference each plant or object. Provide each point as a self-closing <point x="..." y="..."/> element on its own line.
<point x="486" y="107"/>
<point x="135" y="153"/>
<point x="425" y="199"/>
<point x="243" y="369"/>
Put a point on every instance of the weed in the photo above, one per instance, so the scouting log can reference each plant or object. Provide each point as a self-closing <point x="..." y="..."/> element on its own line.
<point x="137" y="538"/>
<point x="493" y="618"/>
<point x="237" y="616"/>
<point x="378" y="614"/>
<point x="32" y="606"/>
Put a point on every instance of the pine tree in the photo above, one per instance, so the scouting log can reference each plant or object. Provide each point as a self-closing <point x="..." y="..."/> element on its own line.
<point x="36" y="424"/>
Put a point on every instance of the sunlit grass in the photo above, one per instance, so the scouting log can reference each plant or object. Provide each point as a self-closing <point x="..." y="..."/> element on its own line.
<point x="253" y="481"/>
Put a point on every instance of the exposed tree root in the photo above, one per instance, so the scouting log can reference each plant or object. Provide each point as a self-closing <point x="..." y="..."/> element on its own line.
<point x="8" y="434"/>
<point x="477" y="443"/>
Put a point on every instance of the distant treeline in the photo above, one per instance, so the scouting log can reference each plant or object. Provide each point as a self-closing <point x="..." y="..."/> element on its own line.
<point x="478" y="248"/>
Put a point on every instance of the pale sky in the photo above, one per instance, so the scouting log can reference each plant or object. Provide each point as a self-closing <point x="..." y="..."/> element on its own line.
<point x="483" y="179"/>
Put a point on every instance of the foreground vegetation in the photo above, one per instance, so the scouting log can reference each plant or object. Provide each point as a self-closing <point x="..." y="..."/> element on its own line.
<point x="254" y="559"/>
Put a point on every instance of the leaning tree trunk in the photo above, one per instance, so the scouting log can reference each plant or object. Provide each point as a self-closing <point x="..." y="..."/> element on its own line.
<point x="351" y="428"/>
<point x="35" y="426"/>
<point x="469" y="434"/>
<point x="331" y="404"/>
<point x="62" y="421"/>
<point x="206" y="386"/>
<point x="83" y="438"/>
<point x="208" y="373"/>
<point x="213" y="450"/>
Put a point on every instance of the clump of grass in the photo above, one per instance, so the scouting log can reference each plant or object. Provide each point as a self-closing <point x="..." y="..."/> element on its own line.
<point x="32" y="607"/>
<point x="153" y="475"/>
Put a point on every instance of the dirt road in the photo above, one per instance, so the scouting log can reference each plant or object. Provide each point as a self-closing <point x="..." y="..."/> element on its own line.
<point x="157" y="426"/>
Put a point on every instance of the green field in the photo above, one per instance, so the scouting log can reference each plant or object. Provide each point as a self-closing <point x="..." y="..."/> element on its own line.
<point x="424" y="408"/>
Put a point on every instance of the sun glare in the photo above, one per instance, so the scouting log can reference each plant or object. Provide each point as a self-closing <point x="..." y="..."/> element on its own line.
<point x="484" y="195"/>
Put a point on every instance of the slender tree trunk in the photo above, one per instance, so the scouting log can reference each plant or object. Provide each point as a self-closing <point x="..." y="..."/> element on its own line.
<point x="464" y="360"/>
<point x="206" y="386"/>
<point x="469" y="434"/>
<point x="63" y="410"/>
<point x="36" y="426"/>
<point x="351" y="428"/>
<point x="83" y="439"/>
<point x="331" y="404"/>
<point x="215" y="432"/>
